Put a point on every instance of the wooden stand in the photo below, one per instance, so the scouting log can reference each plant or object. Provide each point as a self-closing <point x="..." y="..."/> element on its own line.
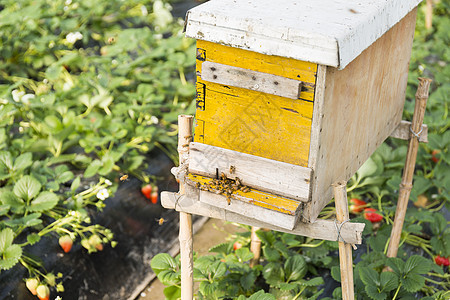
<point x="345" y="250"/>
<point x="408" y="172"/>
<point x="185" y="236"/>
<point x="255" y="247"/>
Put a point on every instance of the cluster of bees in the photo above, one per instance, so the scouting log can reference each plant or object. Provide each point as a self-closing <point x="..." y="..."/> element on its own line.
<point x="224" y="186"/>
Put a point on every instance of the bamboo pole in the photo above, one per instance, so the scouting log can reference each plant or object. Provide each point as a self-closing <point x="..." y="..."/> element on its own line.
<point x="185" y="235"/>
<point x="408" y="171"/>
<point x="255" y="247"/>
<point x="428" y="14"/>
<point x="345" y="250"/>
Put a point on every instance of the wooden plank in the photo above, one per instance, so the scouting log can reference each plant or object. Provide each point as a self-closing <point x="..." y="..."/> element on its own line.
<point x="240" y="119"/>
<point x="257" y="198"/>
<point x="402" y="132"/>
<point x="321" y="229"/>
<point x="364" y="104"/>
<point x="286" y="221"/>
<point x="260" y="173"/>
<point x="327" y="32"/>
<point x="252" y="80"/>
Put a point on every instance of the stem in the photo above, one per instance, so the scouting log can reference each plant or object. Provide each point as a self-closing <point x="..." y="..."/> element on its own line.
<point x="299" y="293"/>
<point x="396" y="292"/>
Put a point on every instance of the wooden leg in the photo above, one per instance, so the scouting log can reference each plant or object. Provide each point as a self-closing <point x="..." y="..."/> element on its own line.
<point x="345" y="250"/>
<point x="255" y="247"/>
<point x="185" y="236"/>
<point x="408" y="171"/>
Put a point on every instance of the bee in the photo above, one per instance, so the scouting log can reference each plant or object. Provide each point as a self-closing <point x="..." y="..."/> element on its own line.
<point x="161" y="221"/>
<point x="123" y="177"/>
<point x="111" y="40"/>
<point x="228" y="199"/>
<point x="232" y="169"/>
<point x="245" y="189"/>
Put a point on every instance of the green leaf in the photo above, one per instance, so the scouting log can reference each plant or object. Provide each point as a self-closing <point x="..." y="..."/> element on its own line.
<point x="163" y="261"/>
<point x="388" y="281"/>
<point x="75" y="184"/>
<point x="64" y="177"/>
<point x="23" y="161"/>
<point x="295" y="268"/>
<point x="4" y="208"/>
<point x="6" y="239"/>
<point x="218" y="269"/>
<point x="313" y="282"/>
<point x="204" y="262"/>
<point x="413" y="282"/>
<point x="8" y="198"/>
<point x="207" y="288"/>
<point x="369" y="276"/>
<point x="261" y="295"/>
<point x="27" y="221"/>
<point x="244" y="254"/>
<point x="374" y="293"/>
<point x="270" y="253"/>
<point x="367" y="169"/>
<point x="27" y="188"/>
<point x="169" y="277"/>
<point x="224" y="248"/>
<point x="44" y="201"/>
<point x="33" y="238"/>
<point x="93" y="168"/>
<point x="248" y="280"/>
<point x="417" y="264"/>
<point x="6" y="160"/>
<point x="336" y="273"/>
<point x="273" y="273"/>
<point x="396" y="264"/>
<point x="10" y="257"/>
<point x="172" y="292"/>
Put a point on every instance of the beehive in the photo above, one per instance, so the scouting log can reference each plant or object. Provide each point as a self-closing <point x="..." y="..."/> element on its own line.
<point x="293" y="96"/>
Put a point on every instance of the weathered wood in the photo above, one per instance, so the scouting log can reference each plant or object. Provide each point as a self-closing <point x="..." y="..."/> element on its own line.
<point x="328" y="32"/>
<point x="260" y="173"/>
<point x="429" y="14"/>
<point x="402" y="132"/>
<point x="408" y="171"/>
<point x="360" y="110"/>
<point x="185" y="235"/>
<point x="267" y="207"/>
<point x="345" y="250"/>
<point x="321" y="229"/>
<point x="251" y="80"/>
<point x="239" y="119"/>
<point x="255" y="247"/>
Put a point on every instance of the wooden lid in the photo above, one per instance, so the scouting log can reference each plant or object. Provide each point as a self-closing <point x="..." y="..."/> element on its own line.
<point x="327" y="32"/>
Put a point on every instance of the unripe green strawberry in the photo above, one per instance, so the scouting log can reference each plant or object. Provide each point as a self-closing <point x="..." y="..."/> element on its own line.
<point x="32" y="284"/>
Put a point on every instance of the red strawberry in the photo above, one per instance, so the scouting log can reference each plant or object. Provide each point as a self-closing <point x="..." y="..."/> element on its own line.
<point x="66" y="243"/>
<point x="32" y="284"/>
<point x="237" y="245"/>
<point x="371" y="215"/>
<point x="434" y="158"/>
<point x="441" y="261"/>
<point x="147" y="191"/>
<point x="356" y="205"/>
<point x="43" y="292"/>
<point x="154" y="197"/>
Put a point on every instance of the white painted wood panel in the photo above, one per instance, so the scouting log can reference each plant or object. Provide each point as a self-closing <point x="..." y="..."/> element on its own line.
<point x="251" y="80"/>
<point x="264" y="174"/>
<point x="321" y="229"/>
<point x="327" y="32"/>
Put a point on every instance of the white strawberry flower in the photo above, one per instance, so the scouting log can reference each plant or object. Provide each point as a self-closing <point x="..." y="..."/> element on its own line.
<point x="72" y="37"/>
<point x="17" y="95"/>
<point x="103" y="194"/>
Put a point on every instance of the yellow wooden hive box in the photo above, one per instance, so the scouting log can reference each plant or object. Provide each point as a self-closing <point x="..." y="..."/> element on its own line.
<point x="293" y="96"/>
